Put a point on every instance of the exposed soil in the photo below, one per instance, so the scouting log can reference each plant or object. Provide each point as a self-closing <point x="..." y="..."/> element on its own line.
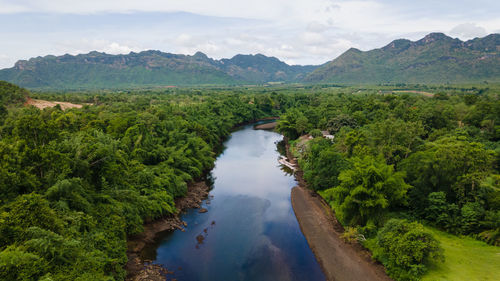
<point x="255" y="120"/>
<point x="139" y="270"/>
<point x="427" y="94"/>
<point x="41" y="104"/>
<point x="340" y="261"/>
<point x="266" y="126"/>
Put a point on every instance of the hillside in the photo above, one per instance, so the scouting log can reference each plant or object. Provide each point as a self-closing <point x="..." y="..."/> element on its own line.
<point x="11" y="94"/>
<point x="436" y="58"/>
<point x="148" y="68"/>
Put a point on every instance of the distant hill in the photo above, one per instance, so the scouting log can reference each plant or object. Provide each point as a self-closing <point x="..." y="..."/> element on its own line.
<point x="148" y="68"/>
<point x="436" y="58"/>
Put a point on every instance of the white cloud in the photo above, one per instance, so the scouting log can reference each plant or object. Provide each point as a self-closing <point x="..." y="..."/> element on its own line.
<point x="6" y="7"/>
<point x="298" y="31"/>
<point x="315" y="26"/>
<point x="115" y="48"/>
<point x="468" y="31"/>
<point x="312" y="38"/>
<point x="185" y="40"/>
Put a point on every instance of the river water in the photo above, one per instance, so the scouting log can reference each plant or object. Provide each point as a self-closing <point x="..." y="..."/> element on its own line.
<point x="250" y="231"/>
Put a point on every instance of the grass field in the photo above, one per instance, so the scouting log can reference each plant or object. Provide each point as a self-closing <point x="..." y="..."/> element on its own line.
<point x="466" y="259"/>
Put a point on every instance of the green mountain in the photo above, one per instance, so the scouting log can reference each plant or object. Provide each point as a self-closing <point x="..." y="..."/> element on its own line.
<point x="436" y="58"/>
<point x="148" y="68"/>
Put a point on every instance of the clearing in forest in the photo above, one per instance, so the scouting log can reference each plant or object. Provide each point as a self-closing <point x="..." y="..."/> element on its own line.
<point x="41" y="104"/>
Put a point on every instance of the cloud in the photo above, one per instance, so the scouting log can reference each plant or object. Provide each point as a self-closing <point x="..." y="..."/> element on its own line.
<point x="85" y="45"/>
<point x="6" y="60"/>
<point x="296" y="31"/>
<point x="312" y="38"/>
<point x="10" y="8"/>
<point x="468" y="31"/>
<point x="185" y="40"/>
<point x="315" y="26"/>
<point x="115" y="48"/>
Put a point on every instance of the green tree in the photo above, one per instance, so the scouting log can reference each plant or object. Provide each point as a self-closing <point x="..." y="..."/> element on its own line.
<point x="322" y="164"/>
<point x="406" y="249"/>
<point x="440" y="165"/>
<point x="292" y="124"/>
<point x="367" y="191"/>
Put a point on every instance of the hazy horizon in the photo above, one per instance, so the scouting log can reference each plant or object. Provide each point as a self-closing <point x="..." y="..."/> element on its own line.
<point x="296" y="32"/>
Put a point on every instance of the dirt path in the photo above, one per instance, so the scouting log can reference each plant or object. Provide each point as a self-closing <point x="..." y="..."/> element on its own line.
<point x="339" y="260"/>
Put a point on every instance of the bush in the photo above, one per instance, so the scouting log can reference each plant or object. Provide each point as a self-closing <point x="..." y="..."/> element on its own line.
<point x="316" y="133"/>
<point x="352" y="234"/>
<point x="406" y="249"/>
<point x="16" y="264"/>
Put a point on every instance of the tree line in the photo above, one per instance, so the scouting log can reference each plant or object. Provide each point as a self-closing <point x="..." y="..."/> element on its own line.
<point x="75" y="183"/>
<point x="398" y="160"/>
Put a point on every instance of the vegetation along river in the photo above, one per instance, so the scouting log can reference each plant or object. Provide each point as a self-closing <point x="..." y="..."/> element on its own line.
<point x="250" y="231"/>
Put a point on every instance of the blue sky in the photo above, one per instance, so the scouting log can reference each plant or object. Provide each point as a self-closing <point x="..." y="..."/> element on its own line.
<point x="296" y="31"/>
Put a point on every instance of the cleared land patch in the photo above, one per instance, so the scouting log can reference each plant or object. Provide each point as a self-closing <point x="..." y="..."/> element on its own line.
<point x="427" y="94"/>
<point x="41" y="104"/>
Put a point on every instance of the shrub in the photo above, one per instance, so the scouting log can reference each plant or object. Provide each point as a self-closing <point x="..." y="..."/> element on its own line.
<point x="406" y="249"/>
<point x="316" y="133"/>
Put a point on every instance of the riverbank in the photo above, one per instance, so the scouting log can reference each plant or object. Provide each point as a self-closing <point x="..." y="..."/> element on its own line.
<point x="266" y="126"/>
<point x="340" y="261"/>
<point x="235" y="127"/>
<point x="136" y="268"/>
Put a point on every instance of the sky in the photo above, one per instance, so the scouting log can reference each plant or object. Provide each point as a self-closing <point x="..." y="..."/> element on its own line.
<point x="295" y="31"/>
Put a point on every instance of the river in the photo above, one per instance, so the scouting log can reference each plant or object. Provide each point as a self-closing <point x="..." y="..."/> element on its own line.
<point x="250" y="231"/>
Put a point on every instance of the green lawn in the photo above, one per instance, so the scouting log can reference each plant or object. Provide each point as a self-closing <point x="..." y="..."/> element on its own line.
<point x="466" y="259"/>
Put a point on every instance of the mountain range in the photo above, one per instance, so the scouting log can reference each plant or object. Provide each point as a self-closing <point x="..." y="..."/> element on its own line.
<point x="436" y="58"/>
<point x="148" y="68"/>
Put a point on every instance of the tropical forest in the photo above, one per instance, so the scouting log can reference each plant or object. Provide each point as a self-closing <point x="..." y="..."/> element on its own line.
<point x="274" y="141"/>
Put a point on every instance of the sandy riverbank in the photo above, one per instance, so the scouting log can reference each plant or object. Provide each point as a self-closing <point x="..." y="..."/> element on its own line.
<point x="339" y="260"/>
<point x="137" y="270"/>
<point x="266" y="126"/>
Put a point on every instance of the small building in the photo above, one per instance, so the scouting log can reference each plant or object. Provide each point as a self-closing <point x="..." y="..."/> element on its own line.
<point x="327" y="135"/>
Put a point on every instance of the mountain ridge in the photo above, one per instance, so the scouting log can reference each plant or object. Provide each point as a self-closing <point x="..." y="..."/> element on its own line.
<point x="148" y="68"/>
<point x="435" y="58"/>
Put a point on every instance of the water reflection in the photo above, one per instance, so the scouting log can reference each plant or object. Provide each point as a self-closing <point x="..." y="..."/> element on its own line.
<point x="249" y="231"/>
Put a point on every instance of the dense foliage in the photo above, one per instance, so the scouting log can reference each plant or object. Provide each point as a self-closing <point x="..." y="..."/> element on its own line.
<point x="366" y="190"/>
<point x="406" y="249"/>
<point x="74" y="184"/>
<point x="10" y="94"/>
<point x="429" y="158"/>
